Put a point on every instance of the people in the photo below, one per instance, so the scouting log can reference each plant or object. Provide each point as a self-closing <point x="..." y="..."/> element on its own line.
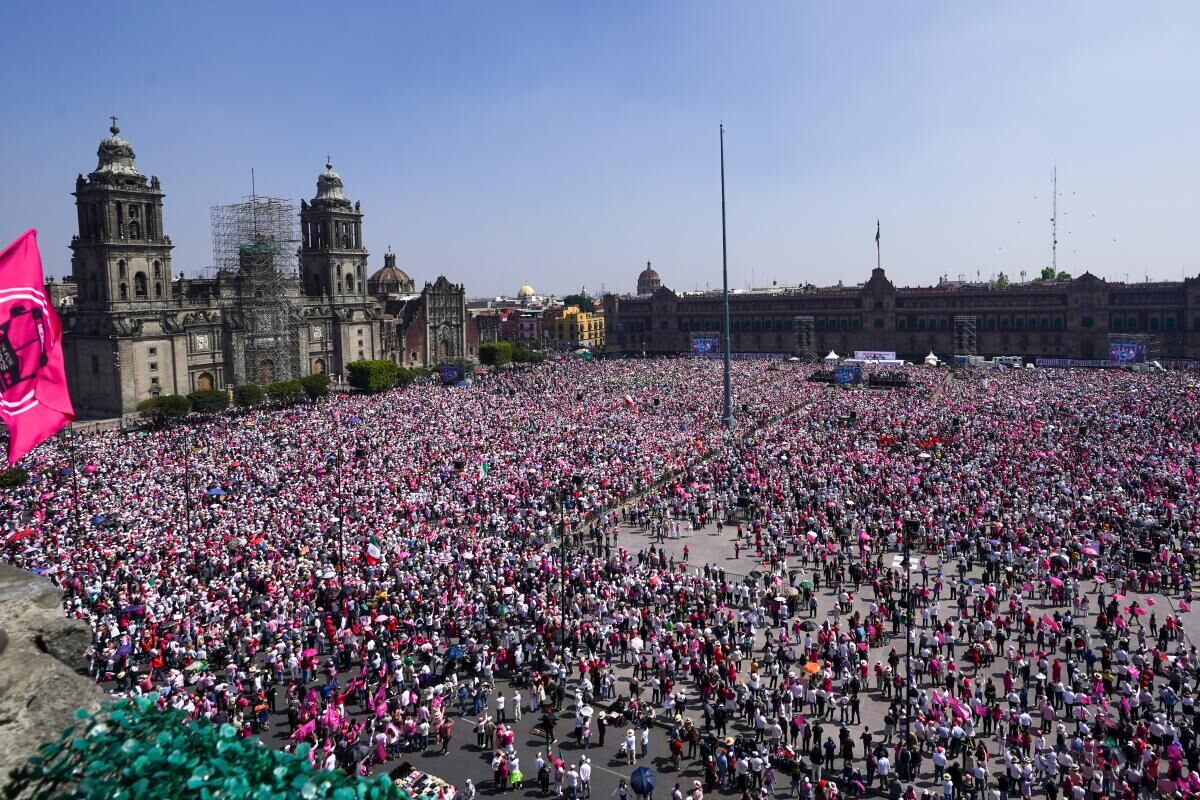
<point x="344" y="560"/>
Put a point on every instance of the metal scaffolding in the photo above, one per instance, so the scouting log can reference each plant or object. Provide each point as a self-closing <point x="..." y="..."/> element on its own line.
<point x="806" y="340"/>
<point x="254" y="247"/>
<point x="966" y="345"/>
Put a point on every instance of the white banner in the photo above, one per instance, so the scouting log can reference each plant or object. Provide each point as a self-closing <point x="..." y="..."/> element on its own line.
<point x="874" y="355"/>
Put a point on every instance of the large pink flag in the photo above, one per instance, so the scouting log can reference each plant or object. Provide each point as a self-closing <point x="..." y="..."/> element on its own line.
<point x="34" y="401"/>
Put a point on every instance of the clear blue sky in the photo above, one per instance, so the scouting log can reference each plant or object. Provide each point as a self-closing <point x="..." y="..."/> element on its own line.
<point x="567" y="143"/>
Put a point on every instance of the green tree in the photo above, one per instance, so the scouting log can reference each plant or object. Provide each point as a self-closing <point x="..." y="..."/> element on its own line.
<point x="372" y="375"/>
<point x="1001" y="281"/>
<point x="1047" y="273"/>
<point x="11" y="478"/>
<point x="160" y="410"/>
<point x="496" y="354"/>
<point x="285" y="392"/>
<point x="208" y="401"/>
<point x="315" y="385"/>
<point x="584" y="302"/>
<point x="1062" y="275"/>
<point x="130" y="748"/>
<point x="248" y="395"/>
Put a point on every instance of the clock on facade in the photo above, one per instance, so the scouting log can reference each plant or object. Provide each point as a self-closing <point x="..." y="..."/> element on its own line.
<point x="202" y="341"/>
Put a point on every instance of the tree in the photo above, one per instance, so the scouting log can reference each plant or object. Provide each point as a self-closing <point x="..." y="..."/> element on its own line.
<point x="372" y="375"/>
<point x="1063" y="275"/>
<point x="159" y="410"/>
<point x="315" y="385"/>
<point x="248" y="395"/>
<point x="208" y="401"/>
<point x="1047" y="273"/>
<point x="584" y="302"/>
<point x="496" y="354"/>
<point x="11" y="478"/>
<point x="1001" y="281"/>
<point x="285" y="392"/>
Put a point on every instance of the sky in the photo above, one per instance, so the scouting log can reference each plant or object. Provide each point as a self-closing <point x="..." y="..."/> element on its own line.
<point x="566" y="144"/>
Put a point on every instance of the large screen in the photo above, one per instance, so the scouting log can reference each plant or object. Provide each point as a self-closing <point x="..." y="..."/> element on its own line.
<point x="1127" y="352"/>
<point x="705" y="345"/>
<point x="452" y="373"/>
<point x="874" y="355"/>
<point x="847" y="375"/>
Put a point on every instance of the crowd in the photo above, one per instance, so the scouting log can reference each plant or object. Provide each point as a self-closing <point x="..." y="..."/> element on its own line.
<point x="381" y="567"/>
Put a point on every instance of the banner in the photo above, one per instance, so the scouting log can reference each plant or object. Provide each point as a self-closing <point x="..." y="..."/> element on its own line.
<point x="34" y="401"/>
<point x="874" y="355"/>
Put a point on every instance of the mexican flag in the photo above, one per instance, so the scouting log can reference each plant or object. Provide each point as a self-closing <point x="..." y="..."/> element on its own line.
<point x="374" y="554"/>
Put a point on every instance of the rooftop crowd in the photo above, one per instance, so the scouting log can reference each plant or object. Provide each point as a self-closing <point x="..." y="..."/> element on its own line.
<point x="380" y="567"/>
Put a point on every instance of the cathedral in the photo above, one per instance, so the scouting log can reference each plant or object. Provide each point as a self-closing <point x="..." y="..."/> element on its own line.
<point x="135" y="330"/>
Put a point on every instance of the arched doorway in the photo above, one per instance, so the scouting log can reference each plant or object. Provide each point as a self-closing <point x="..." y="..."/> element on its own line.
<point x="318" y="367"/>
<point x="204" y="382"/>
<point x="443" y="349"/>
<point x="266" y="371"/>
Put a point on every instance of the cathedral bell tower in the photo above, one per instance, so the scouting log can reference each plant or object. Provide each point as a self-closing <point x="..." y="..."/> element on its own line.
<point x="121" y="258"/>
<point x="333" y="262"/>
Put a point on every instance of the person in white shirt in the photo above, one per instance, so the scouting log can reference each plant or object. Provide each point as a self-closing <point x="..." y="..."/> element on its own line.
<point x="585" y="777"/>
<point x="516" y="705"/>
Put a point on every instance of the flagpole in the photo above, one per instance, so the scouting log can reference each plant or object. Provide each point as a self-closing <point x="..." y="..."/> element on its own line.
<point x="877" y="258"/>
<point x="727" y="413"/>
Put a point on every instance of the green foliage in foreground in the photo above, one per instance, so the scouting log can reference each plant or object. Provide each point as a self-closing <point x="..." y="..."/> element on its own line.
<point x="131" y="749"/>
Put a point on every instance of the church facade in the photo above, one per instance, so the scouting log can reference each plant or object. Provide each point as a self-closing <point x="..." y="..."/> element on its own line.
<point x="135" y="330"/>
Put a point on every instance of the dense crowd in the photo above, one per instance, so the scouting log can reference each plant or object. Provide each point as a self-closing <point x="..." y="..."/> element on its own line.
<point x="380" y="567"/>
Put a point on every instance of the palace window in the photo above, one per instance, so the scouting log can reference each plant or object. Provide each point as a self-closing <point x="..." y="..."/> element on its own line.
<point x="1117" y="323"/>
<point x="1087" y="322"/>
<point x="1133" y="325"/>
<point x="879" y="322"/>
<point x="901" y="324"/>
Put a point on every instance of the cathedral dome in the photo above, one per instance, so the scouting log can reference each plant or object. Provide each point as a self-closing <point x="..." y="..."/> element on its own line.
<point x="115" y="154"/>
<point x="329" y="184"/>
<point x="526" y="291"/>
<point x="648" y="280"/>
<point x="390" y="279"/>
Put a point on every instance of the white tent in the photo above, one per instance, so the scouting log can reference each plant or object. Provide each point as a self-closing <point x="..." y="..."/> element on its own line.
<point x="832" y="357"/>
<point x="931" y="360"/>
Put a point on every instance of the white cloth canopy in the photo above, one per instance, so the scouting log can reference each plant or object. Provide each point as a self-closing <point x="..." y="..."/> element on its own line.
<point x="931" y="360"/>
<point x="832" y="356"/>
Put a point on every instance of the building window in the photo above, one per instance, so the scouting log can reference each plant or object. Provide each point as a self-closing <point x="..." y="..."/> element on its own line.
<point x="942" y="324"/>
<point x="154" y="366"/>
<point x="856" y="324"/>
<point x="1045" y="323"/>
<point x="121" y="269"/>
<point x="820" y="324"/>
<point x="1117" y="323"/>
<point x="990" y="324"/>
<point x="1087" y="322"/>
<point x="1169" y="323"/>
<point x="1133" y="326"/>
<point x="1058" y="323"/>
<point x="1004" y="324"/>
<point x="154" y="381"/>
<point x="140" y="285"/>
<point x="901" y="324"/>
<point x="123" y="291"/>
<point x="1020" y="323"/>
<point x="95" y="365"/>
<point x="152" y="351"/>
<point x="879" y="322"/>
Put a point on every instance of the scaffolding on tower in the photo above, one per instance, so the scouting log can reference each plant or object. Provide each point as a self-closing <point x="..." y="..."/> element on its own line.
<point x="966" y="347"/>
<point x="255" y="246"/>
<point x="806" y="340"/>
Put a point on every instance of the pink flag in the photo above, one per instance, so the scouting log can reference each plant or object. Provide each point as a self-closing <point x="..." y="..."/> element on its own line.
<point x="34" y="401"/>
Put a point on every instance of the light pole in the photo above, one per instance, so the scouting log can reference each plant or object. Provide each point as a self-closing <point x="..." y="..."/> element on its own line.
<point x="727" y="412"/>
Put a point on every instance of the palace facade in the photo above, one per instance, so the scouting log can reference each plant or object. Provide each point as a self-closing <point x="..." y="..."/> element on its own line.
<point x="1053" y="319"/>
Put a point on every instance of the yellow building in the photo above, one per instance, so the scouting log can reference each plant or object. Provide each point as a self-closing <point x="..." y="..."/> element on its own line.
<point x="573" y="328"/>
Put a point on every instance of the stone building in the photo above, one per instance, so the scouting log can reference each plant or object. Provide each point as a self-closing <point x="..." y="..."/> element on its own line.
<point x="134" y="330"/>
<point x="1053" y="319"/>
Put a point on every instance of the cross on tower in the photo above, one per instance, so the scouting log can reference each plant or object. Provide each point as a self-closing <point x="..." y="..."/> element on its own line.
<point x="114" y="124"/>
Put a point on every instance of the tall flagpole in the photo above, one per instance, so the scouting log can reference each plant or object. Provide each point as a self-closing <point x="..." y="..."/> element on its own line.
<point x="727" y="415"/>
<point x="877" y="262"/>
